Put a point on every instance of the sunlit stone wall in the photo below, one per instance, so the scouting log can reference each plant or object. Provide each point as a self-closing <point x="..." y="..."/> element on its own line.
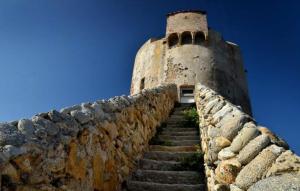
<point x="91" y="146"/>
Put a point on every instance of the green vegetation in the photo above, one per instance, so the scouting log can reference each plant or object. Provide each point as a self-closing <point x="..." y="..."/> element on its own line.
<point x="193" y="162"/>
<point x="191" y="117"/>
<point x="167" y="143"/>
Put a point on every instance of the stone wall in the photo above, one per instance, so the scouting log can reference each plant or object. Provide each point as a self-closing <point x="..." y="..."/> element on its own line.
<point x="239" y="154"/>
<point x="92" y="146"/>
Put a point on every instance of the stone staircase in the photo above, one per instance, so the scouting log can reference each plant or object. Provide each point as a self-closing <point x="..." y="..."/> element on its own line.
<point x="172" y="162"/>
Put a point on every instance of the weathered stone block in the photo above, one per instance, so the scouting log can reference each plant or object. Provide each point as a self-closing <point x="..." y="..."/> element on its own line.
<point x="287" y="162"/>
<point x="274" y="139"/>
<point x="80" y="116"/>
<point x="222" y="142"/>
<point x="258" y="167"/>
<point x="217" y="107"/>
<point x="243" y="137"/>
<point x="225" y="154"/>
<point x="285" y="182"/>
<point x="231" y="126"/>
<point x="26" y="127"/>
<point x="76" y="166"/>
<point x="227" y="171"/>
<point x="252" y="149"/>
<point x="222" y="113"/>
<point x="234" y="188"/>
<point x="9" y="135"/>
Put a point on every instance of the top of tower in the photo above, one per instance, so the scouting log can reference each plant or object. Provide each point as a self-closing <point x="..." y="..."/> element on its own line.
<point x="186" y="21"/>
<point x="187" y="11"/>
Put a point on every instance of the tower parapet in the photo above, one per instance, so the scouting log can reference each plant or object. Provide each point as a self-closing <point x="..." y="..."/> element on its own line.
<point x="182" y="21"/>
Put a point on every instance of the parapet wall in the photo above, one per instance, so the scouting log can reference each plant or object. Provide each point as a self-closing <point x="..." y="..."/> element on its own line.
<point x="91" y="146"/>
<point x="238" y="153"/>
<point x="187" y="21"/>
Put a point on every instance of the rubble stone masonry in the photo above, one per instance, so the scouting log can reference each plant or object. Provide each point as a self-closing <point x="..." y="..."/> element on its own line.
<point x="239" y="154"/>
<point x="92" y="146"/>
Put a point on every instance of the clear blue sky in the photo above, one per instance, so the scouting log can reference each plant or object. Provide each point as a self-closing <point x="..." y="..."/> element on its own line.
<point x="56" y="53"/>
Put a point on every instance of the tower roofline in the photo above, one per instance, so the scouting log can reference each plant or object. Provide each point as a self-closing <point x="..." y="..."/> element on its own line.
<point x="186" y="11"/>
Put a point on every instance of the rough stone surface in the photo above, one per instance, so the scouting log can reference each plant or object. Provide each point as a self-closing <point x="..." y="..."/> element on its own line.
<point x="221" y="187"/>
<point x="222" y="142"/>
<point x="210" y="105"/>
<point x="286" y="182"/>
<point x="252" y="149"/>
<point x="258" y="167"/>
<point x="274" y="139"/>
<point x="227" y="170"/>
<point x="221" y="113"/>
<point x="287" y="162"/>
<point x="233" y="125"/>
<point x="225" y="154"/>
<point x="234" y="188"/>
<point x="9" y="135"/>
<point x="217" y="107"/>
<point x="89" y="147"/>
<point x="244" y="136"/>
<point x="81" y="116"/>
<point x="241" y="163"/>
<point x="26" y="127"/>
<point x="186" y="21"/>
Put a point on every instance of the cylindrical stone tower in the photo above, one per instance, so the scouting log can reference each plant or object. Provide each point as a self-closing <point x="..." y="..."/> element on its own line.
<point x="188" y="54"/>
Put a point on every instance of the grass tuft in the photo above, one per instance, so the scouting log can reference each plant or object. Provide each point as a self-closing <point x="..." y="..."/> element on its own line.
<point x="191" y="116"/>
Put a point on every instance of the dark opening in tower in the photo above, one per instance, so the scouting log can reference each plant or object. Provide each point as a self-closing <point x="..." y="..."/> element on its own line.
<point x="199" y="38"/>
<point x="173" y="40"/>
<point x="186" y="38"/>
<point x="142" y="84"/>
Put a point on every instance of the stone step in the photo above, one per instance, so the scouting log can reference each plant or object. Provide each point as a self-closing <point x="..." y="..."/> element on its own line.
<point x="182" y="108"/>
<point x="148" y="164"/>
<point x="176" y="121"/>
<point x="177" y="116"/>
<point x="180" y="133"/>
<point x="167" y="177"/>
<point x="177" y="113"/>
<point x="182" y="142"/>
<point x="179" y="129"/>
<point x="179" y="125"/>
<point x="170" y="142"/>
<point x="172" y="148"/>
<point x="167" y="155"/>
<point x="170" y="137"/>
<point x="151" y="186"/>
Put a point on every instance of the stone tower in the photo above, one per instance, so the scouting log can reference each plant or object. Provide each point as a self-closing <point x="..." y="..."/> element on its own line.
<point x="190" y="53"/>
